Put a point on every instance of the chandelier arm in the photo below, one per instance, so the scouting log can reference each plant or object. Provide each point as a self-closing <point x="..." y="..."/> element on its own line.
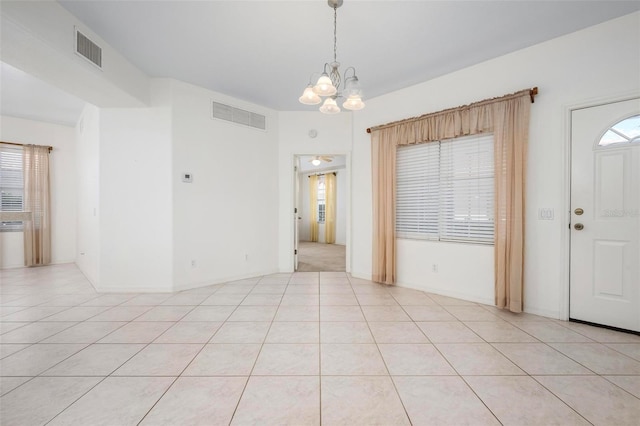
<point x="346" y="71"/>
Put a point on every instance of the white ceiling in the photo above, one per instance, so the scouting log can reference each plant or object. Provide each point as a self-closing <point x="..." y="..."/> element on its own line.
<point x="265" y="51"/>
<point x="24" y="96"/>
<point x="337" y="162"/>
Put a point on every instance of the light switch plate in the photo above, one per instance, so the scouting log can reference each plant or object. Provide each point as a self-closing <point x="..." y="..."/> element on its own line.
<point x="545" y="213"/>
<point x="187" y="177"/>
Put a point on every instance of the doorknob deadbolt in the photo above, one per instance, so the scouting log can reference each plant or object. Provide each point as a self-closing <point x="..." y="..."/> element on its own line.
<point x="578" y="227"/>
<point x="578" y="211"/>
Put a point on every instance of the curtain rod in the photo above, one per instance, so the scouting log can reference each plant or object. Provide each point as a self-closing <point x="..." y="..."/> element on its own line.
<point x="532" y="93"/>
<point x="322" y="174"/>
<point x="24" y="144"/>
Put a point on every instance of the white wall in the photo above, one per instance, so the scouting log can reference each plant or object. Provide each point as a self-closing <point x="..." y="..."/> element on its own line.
<point x="341" y="207"/>
<point x="334" y="138"/>
<point x="136" y="214"/>
<point x="226" y="220"/>
<point x="587" y="66"/>
<point x="87" y="169"/>
<point x="63" y="194"/>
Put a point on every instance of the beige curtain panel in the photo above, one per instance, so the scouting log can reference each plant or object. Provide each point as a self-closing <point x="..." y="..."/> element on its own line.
<point x="313" y="208"/>
<point x="37" y="231"/>
<point x="508" y="118"/>
<point x="383" y="170"/>
<point x="330" y="209"/>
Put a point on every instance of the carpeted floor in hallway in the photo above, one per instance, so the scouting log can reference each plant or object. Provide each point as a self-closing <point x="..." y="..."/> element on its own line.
<point x="320" y="257"/>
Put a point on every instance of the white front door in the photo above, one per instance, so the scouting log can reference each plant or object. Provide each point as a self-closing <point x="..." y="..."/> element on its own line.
<point x="296" y="214"/>
<point x="605" y="215"/>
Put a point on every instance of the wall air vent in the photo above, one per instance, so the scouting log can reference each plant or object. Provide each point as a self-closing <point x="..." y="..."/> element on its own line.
<point x="239" y="116"/>
<point x="88" y="49"/>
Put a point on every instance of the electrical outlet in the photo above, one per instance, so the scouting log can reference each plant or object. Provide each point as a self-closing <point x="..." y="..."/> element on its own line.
<point x="434" y="267"/>
<point x="193" y="264"/>
<point x="246" y="257"/>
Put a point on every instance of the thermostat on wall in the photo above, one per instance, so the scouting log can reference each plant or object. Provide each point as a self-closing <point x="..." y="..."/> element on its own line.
<point x="187" y="177"/>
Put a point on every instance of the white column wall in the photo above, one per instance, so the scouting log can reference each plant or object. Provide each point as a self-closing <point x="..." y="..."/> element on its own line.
<point x="226" y="220"/>
<point x="136" y="217"/>
<point x="88" y="192"/>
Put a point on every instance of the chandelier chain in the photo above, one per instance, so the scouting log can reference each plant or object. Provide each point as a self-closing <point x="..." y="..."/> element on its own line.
<point x="335" y="33"/>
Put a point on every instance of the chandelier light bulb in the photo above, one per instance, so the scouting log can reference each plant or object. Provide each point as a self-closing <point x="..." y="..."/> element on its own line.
<point x="309" y="97"/>
<point x="329" y="106"/>
<point x="353" y="103"/>
<point x="324" y="86"/>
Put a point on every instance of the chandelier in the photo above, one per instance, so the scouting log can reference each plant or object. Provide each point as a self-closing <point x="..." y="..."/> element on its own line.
<point x="328" y="84"/>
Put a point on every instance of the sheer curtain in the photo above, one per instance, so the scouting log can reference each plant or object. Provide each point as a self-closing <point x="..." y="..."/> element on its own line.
<point x="508" y="118"/>
<point x="37" y="230"/>
<point x="330" y="209"/>
<point x="313" y="207"/>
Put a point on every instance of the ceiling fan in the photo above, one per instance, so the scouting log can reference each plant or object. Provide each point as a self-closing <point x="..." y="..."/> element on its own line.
<point x="318" y="159"/>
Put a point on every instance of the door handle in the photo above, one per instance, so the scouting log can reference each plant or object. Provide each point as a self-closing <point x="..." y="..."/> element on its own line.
<point x="578" y="227"/>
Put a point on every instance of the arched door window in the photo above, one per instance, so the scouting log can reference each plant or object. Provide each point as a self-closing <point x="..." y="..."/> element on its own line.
<point x="623" y="132"/>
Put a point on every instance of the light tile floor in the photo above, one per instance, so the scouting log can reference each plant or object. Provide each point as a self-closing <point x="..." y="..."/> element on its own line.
<point x="304" y="348"/>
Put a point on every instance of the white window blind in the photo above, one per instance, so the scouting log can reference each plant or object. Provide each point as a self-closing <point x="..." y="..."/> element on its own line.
<point x="445" y="190"/>
<point x="11" y="184"/>
<point x="466" y="192"/>
<point x="418" y="190"/>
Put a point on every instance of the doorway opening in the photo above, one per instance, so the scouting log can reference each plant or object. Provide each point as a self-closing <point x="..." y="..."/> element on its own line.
<point x="321" y="196"/>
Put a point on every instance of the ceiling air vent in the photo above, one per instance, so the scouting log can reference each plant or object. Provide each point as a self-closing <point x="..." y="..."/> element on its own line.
<point x="239" y="116"/>
<point x="88" y="49"/>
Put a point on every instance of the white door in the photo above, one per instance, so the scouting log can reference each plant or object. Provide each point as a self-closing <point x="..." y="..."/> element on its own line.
<point x="605" y="215"/>
<point x="296" y="214"/>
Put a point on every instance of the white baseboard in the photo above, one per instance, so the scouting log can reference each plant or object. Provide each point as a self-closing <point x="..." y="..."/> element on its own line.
<point x="543" y="312"/>
<point x="454" y="294"/>
<point x="361" y="275"/>
<point x="221" y="280"/>
<point x="58" y="262"/>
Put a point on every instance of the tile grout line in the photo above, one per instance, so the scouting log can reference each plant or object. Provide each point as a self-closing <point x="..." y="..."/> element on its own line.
<point x="393" y="383"/>
<point x="320" y="348"/>
<point x="244" y="388"/>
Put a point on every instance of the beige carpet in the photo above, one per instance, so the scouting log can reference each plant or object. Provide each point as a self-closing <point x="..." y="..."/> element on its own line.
<point x="315" y="257"/>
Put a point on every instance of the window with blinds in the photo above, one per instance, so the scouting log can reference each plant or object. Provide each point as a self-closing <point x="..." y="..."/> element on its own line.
<point x="444" y="190"/>
<point x="11" y="184"/>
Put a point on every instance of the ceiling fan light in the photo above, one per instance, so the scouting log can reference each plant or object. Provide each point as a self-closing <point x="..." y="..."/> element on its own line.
<point x="353" y="103"/>
<point x="315" y="162"/>
<point x="329" y="106"/>
<point x="324" y="86"/>
<point x="309" y="97"/>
